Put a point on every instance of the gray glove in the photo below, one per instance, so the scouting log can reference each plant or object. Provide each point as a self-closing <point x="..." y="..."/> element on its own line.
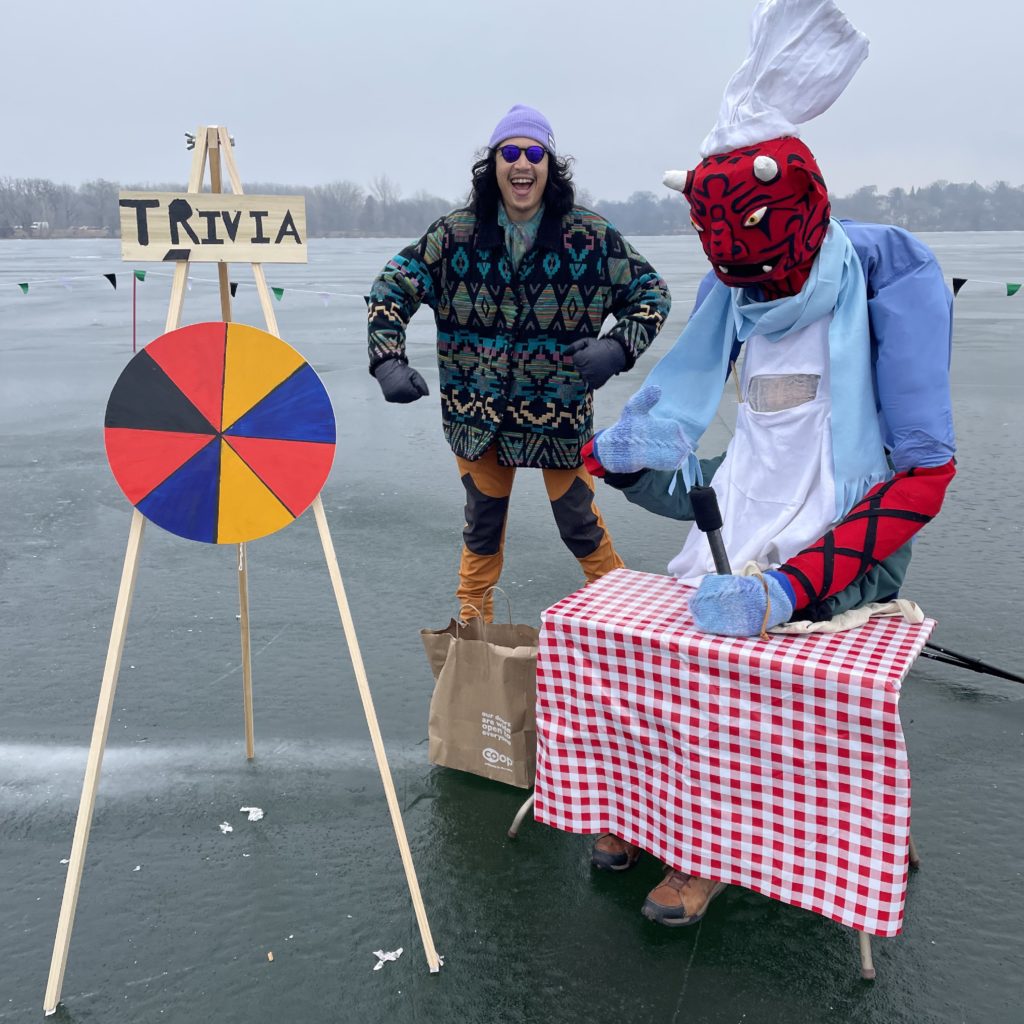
<point x="399" y="381"/>
<point x="597" y="359"/>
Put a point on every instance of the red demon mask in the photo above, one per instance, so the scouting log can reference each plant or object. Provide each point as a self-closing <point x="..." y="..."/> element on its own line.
<point x="761" y="213"/>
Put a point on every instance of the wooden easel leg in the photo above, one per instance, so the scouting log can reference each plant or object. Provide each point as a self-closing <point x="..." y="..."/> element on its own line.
<point x="266" y="304"/>
<point x="101" y="726"/>
<point x="212" y="140"/>
<point x="243" y="604"/>
<point x="433" y="960"/>
<point x="867" y="966"/>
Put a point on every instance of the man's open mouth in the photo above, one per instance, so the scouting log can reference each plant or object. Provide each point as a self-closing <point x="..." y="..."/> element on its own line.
<point x="521" y="185"/>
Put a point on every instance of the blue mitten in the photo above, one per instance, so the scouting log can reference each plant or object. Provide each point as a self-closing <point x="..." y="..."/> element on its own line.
<point x="734" y="605"/>
<point x="640" y="440"/>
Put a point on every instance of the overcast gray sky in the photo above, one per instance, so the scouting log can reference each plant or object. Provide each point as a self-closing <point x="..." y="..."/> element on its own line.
<point x="318" y="91"/>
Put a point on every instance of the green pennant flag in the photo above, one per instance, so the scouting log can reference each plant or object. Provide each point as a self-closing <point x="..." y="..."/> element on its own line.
<point x="1012" y="289"/>
<point x="140" y="275"/>
<point x="278" y="292"/>
<point x="23" y="285"/>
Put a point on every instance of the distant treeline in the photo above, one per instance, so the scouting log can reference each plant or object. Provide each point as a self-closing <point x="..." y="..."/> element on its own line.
<point x="36" y="207"/>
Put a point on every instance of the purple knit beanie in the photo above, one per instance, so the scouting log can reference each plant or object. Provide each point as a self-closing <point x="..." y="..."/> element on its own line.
<point x="527" y="123"/>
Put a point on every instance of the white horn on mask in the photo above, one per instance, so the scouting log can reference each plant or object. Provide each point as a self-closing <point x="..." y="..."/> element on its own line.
<point x="765" y="168"/>
<point x="675" y="179"/>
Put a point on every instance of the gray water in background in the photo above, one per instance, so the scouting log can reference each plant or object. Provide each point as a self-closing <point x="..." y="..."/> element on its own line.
<point x="529" y="934"/>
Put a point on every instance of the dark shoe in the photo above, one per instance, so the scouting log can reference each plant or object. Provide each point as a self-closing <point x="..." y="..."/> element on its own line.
<point x="680" y="899"/>
<point x="610" y="853"/>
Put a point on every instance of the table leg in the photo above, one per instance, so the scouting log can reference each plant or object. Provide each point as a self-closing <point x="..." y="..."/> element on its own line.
<point x="520" y="815"/>
<point x="867" y="966"/>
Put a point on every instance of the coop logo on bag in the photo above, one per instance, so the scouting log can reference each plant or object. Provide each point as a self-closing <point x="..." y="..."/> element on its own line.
<point x="496" y="760"/>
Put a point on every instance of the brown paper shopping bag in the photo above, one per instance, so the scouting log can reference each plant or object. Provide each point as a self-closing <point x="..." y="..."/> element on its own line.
<point x="482" y="711"/>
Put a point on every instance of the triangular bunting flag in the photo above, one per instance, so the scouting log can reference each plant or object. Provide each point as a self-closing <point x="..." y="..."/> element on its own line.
<point x="366" y="299"/>
<point x="1012" y="288"/>
<point x="958" y="283"/>
<point x="140" y="275"/>
<point x="23" y="285"/>
<point x="278" y="292"/>
<point x="112" y="278"/>
<point x="234" y="288"/>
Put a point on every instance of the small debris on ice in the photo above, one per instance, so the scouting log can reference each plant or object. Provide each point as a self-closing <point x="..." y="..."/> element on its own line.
<point x="66" y="860"/>
<point x="255" y="813"/>
<point x="138" y="867"/>
<point x="226" y="828"/>
<point x="270" y="955"/>
<point x="383" y="958"/>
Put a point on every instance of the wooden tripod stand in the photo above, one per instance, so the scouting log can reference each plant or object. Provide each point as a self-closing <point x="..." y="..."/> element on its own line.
<point x="212" y="143"/>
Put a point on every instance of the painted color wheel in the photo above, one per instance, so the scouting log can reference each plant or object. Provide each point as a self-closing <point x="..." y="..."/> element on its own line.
<point x="219" y="432"/>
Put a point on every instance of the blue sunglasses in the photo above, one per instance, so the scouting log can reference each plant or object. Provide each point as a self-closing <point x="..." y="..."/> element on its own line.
<point x="510" y="154"/>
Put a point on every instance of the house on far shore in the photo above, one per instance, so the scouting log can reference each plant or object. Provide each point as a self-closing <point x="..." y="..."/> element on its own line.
<point x="42" y="229"/>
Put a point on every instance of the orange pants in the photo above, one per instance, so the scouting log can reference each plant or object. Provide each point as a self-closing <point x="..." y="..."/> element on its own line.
<point x="488" y="486"/>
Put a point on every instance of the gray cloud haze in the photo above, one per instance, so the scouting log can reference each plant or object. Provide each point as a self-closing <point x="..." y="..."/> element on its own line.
<point x="317" y="91"/>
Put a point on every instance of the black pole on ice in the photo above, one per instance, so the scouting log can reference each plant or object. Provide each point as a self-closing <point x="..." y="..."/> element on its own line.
<point x="948" y="657"/>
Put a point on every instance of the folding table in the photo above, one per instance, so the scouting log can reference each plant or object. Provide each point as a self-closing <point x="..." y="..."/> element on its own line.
<point x="777" y="765"/>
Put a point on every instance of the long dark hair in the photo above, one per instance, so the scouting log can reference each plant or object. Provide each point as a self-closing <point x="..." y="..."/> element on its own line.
<point x="559" y="193"/>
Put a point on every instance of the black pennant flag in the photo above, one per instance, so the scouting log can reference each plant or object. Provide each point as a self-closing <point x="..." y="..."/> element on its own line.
<point x="112" y="278"/>
<point x="234" y="288"/>
<point x="958" y="283"/>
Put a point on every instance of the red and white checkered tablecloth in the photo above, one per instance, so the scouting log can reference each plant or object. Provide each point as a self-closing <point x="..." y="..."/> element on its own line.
<point x="775" y="765"/>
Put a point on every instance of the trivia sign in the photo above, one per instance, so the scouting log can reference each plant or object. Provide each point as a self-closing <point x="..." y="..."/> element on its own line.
<point x="212" y="227"/>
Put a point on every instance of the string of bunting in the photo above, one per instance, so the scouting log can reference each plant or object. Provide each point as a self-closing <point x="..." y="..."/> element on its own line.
<point x="141" y="275"/>
<point x="1012" y="287"/>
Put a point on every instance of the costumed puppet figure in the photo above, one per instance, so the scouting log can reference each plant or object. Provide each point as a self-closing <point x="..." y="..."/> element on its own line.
<point x="844" y="440"/>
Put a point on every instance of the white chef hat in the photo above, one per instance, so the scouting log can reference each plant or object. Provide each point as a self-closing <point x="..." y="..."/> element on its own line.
<point x="803" y="54"/>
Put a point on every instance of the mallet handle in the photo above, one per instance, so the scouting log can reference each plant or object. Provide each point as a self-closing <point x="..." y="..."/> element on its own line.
<point x="709" y="520"/>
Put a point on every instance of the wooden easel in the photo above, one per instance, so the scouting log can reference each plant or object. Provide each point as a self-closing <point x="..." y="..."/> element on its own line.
<point x="213" y="143"/>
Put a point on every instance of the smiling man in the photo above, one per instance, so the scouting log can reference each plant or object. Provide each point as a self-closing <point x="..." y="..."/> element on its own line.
<point x="520" y="282"/>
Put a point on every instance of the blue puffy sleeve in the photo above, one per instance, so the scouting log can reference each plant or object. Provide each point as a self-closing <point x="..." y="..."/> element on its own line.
<point x="910" y="311"/>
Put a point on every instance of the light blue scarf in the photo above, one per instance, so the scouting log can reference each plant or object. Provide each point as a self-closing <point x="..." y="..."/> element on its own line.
<point x="692" y="373"/>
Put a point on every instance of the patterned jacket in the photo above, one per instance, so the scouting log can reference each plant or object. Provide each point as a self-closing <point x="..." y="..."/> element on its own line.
<point x="502" y="333"/>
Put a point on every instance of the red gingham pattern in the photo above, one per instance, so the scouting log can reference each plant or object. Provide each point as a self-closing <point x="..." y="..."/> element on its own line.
<point x="775" y="765"/>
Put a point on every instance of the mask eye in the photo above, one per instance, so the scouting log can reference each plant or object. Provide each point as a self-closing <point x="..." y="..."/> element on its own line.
<point x="696" y="226"/>
<point x="755" y="218"/>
